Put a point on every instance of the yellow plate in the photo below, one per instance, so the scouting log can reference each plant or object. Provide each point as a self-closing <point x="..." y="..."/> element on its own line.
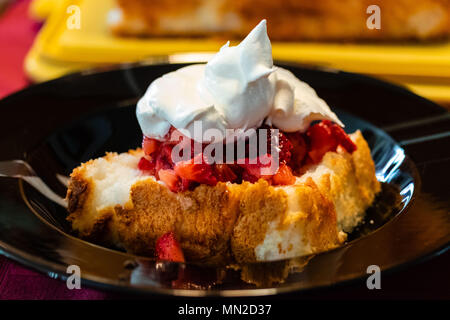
<point x="41" y="69"/>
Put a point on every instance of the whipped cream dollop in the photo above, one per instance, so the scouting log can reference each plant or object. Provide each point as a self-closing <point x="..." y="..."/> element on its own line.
<point x="239" y="88"/>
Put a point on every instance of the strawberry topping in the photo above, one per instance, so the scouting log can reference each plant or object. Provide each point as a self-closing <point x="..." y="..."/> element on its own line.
<point x="325" y="136"/>
<point x="299" y="149"/>
<point x="259" y="168"/>
<point x="146" y="165"/>
<point x="168" y="248"/>
<point x="224" y="172"/>
<point x="283" y="176"/>
<point x="342" y="138"/>
<point x="150" y="145"/>
<point x="321" y="140"/>
<point x="170" y="178"/>
<point x="200" y="172"/>
<point x="294" y="150"/>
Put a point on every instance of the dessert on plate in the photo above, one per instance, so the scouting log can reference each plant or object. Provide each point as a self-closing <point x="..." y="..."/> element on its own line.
<point x="343" y="20"/>
<point x="240" y="162"/>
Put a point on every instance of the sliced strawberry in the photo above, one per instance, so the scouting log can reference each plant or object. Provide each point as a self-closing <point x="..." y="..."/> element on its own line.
<point x="255" y="171"/>
<point x="342" y="138"/>
<point x="224" y="173"/>
<point x="164" y="157"/>
<point x="146" y="165"/>
<point x="170" y="179"/>
<point x="299" y="149"/>
<point x="185" y="184"/>
<point x="175" y="136"/>
<point x="285" y="146"/>
<point x="326" y="136"/>
<point x="283" y="176"/>
<point x="150" y="145"/>
<point x="198" y="172"/>
<point x="168" y="248"/>
<point x="321" y="140"/>
<point x="294" y="150"/>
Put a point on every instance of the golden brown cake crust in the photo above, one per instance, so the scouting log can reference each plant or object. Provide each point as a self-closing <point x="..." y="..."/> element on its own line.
<point x="202" y="219"/>
<point x="259" y="205"/>
<point x="368" y="184"/>
<point x="262" y="204"/>
<point x="320" y="218"/>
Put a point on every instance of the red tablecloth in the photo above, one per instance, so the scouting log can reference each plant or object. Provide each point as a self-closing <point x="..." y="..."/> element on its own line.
<point x="17" y="32"/>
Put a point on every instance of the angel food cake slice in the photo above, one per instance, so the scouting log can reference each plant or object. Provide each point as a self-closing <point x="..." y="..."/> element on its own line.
<point x="296" y="187"/>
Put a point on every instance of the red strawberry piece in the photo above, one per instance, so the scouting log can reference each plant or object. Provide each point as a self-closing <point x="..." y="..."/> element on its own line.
<point x="342" y="138"/>
<point x="283" y="176"/>
<point x="321" y="140"/>
<point x="185" y="184"/>
<point x="168" y="248"/>
<point x="175" y="136"/>
<point x="285" y="146"/>
<point x="170" y="179"/>
<point x="146" y="165"/>
<point x="198" y="172"/>
<point x="299" y="149"/>
<point x="253" y="170"/>
<point x="183" y="143"/>
<point x="249" y="177"/>
<point x="150" y="145"/>
<point x="224" y="173"/>
<point x="164" y="157"/>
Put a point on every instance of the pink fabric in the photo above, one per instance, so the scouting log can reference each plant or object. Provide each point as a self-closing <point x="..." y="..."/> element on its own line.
<point x="17" y="32"/>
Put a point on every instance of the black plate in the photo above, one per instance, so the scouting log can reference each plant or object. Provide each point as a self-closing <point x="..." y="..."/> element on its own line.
<point x="56" y="125"/>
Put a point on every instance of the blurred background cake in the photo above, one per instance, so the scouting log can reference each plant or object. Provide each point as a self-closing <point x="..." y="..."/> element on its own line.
<point x="411" y="47"/>
<point x="293" y="20"/>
